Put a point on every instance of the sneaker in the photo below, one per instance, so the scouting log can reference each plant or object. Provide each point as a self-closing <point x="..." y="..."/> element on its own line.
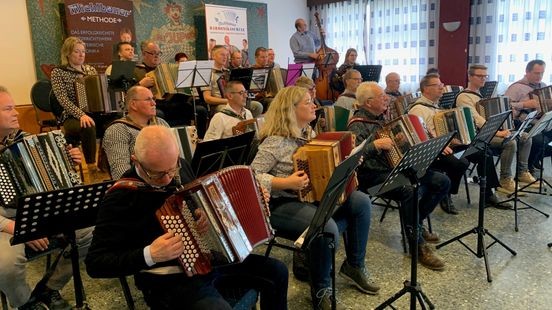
<point x="53" y="300"/>
<point x="300" y="266"/>
<point x="322" y="300"/>
<point x="507" y="186"/>
<point x="493" y="202"/>
<point x="429" y="259"/>
<point x="429" y="236"/>
<point x="359" y="278"/>
<point x="526" y="177"/>
<point x="33" y="305"/>
<point x="448" y="206"/>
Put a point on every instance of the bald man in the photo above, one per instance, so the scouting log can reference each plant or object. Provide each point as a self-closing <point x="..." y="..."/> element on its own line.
<point x="304" y="43"/>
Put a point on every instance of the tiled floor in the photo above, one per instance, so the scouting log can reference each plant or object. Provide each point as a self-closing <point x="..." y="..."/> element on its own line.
<point x="523" y="281"/>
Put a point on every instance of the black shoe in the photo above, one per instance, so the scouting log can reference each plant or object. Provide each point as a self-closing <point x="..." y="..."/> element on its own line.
<point x="300" y="266"/>
<point x="33" y="304"/>
<point x="358" y="277"/>
<point x="447" y="206"/>
<point x="52" y="299"/>
<point x="492" y="201"/>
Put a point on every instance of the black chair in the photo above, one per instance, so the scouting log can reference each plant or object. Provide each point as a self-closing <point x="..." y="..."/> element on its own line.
<point x="40" y="98"/>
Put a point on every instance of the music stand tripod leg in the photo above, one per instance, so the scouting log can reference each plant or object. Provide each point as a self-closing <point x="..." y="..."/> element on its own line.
<point x="80" y="296"/>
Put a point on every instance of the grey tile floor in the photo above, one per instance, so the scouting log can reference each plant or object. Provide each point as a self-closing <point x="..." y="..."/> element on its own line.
<point x="523" y="281"/>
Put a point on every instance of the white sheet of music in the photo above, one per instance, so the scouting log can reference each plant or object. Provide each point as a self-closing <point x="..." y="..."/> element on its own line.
<point x="202" y="70"/>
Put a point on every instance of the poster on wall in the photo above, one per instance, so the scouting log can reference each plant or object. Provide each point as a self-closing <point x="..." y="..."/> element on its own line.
<point x="227" y="26"/>
<point x="100" y="25"/>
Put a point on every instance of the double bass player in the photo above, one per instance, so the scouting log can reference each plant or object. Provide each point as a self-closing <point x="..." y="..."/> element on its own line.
<point x="304" y="43"/>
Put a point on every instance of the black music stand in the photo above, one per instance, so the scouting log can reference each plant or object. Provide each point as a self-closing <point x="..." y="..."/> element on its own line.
<point x="211" y="156"/>
<point x="480" y="144"/>
<point x="192" y="74"/>
<point x="327" y="207"/>
<point x="489" y="89"/>
<point x="408" y="172"/>
<point x="60" y="212"/>
<point x="122" y="75"/>
<point x="259" y="79"/>
<point x="448" y="100"/>
<point x="369" y="72"/>
<point x="543" y="124"/>
<point x="294" y="71"/>
<point x="243" y="75"/>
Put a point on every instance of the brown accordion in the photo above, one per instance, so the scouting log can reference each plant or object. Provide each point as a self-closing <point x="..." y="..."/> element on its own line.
<point x="237" y="219"/>
<point x="459" y="120"/>
<point x="164" y="78"/>
<point x="254" y="124"/>
<point x="544" y="96"/>
<point x="94" y="96"/>
<point x="318" y="159"/>
<point x="492" y="106"/>
<point x="405" y="132"/>
<point x="37" y="163"/>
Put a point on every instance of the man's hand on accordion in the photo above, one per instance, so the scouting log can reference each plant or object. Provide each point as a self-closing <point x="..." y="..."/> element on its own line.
<point x="385" y="144"/>
<point x="38" y="244"/>
<point x="166" y="247"/>
<point x="75" y="154"/>
<point x="201" y="221"/>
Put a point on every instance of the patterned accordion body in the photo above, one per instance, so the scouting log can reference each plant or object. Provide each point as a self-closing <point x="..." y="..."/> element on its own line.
<point x="405" y="132"/>
<point x="164" y="77"/>
<point x="254" y="124"/>
<point x="318" y="159"/>
<point x="492" y="106"/>
<point x="38" y="163"/>
<point x="94" y="96"/>
<point x="237" y="219"/>
<point x="459" y="120"/>
<point x="544" y="96"/>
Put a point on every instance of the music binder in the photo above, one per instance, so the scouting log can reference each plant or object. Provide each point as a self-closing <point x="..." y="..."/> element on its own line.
<point x="295" y="71"/>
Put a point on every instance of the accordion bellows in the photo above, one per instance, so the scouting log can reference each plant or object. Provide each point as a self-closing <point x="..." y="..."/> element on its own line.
<point x="544" y="96"/>
<point x="237" y="217"/>
<point x="38" y="163"/>
<point x="492" y="106"/>
<point x="459" y="120"/>
<point x="94" y="96"/>
<point x="405" y="131"/>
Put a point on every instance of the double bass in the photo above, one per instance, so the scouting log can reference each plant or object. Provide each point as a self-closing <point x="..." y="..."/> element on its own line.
<point x="326" y="63"/>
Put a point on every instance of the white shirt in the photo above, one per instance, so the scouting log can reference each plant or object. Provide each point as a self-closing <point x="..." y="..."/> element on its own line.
<point x="221" y="124"/>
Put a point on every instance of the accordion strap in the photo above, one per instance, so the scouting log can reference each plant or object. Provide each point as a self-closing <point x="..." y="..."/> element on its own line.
<point x="363" y="120"/>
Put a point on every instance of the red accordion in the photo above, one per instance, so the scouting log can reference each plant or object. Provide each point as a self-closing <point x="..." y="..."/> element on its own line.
<point x="237" y="217"/>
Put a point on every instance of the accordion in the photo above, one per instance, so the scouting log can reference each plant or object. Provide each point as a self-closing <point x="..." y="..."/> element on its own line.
<point x="187" y="139"/>
<point x="237" y="219"/>
<point x="496" y="105"/>
<point x="400" y="105"/>
<point x="254" y="124"/>
<point x="544" y="96"/>
<point x="36" y="164"/>
<point x="164" y="78"/>
<point x="459" y="120"/>
<point x="318" y="159"/>
<point x="94" y="96"/>
<point x="405" y="132"/>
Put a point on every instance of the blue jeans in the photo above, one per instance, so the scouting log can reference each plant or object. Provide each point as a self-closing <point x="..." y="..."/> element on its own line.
<point x="291" y="217"/>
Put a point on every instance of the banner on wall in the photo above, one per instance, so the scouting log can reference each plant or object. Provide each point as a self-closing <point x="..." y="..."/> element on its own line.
<point x="100" y="25"/>
<point x="227" y="26"/>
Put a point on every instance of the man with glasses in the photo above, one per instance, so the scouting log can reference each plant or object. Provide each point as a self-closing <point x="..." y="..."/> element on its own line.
<point x="179" y="109"/>
<point x="128" y="239"/>
<point x="375" y="168"/>
<point x="120" y="136"/>
<point x="352" y="78"/>
<point x="522" y="104"/>
<point x="234" y="112"/>
<point x="469" y="97"/>
<point x="426" y="107"/>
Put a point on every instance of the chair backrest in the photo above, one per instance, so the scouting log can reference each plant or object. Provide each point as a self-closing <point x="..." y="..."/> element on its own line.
<point x="40" y="95"/>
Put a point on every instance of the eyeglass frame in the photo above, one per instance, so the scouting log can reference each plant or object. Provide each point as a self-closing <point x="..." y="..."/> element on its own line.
<point x="241" y="92"/>
<point x="158" y="54"/>
<point x="436" y="84"/>
<point x="158" y="175"/>
<point x="481" y="76"/>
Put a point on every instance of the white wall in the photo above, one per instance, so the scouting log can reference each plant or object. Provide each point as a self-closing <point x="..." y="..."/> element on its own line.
<point x="16" y="54"/>
<point x="281" y="25"/>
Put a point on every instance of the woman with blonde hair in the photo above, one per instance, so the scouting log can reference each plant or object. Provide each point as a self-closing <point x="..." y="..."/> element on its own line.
<point x="286" y="128"/>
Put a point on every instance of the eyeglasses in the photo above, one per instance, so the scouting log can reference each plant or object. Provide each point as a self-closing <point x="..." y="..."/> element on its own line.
<point x="241" y="92"/>
<point x="481" y="76"/>
<point x="146" y="99"/>
<point x="154" y="53"/>
<point x="437" y="84"/>
<point x="158" y="175"/>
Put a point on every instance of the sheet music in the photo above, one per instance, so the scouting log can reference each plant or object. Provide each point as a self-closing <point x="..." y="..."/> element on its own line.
<point x="259" y="79"/>
<point x="202" y="70"/>
<point x="308" y="69"/>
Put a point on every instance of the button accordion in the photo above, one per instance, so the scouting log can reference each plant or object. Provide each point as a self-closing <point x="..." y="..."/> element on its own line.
<point x="459" y="120"/>
<point x="187" y="139"/>
<point x="405" y="132"/>
<point x="318" y="160"/>
<point x="492" y="106"/>
<point x="254" y="124"/>
<point x="94" y="96"/>
<point x="236" y="213"/>
<point x="164" y="78"/>
<point x="37" y="163"/>
<point x="544" y="97"/>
